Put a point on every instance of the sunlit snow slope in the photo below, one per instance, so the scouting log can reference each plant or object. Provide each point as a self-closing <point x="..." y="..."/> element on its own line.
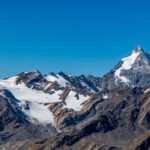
<point x="35" y="104"/>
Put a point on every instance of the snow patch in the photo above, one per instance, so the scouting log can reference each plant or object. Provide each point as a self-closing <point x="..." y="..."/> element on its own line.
<point x="59" y="79"/>
<point x="38" y="113"/>
<point x="147" y="91"/>
<point x="105" y="96"/>
<point x="73" y="103"/>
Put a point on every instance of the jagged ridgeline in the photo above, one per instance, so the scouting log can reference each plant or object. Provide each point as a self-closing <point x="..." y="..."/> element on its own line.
<point x="60" y="111"/>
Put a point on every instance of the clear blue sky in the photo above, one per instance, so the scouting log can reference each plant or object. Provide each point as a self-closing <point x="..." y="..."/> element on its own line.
<point x="76" y="36"/>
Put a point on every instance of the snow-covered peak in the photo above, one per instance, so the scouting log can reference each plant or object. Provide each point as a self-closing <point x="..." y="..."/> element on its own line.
<point x="139" y="49"/>
<point x="127" y="63"/>
<point x="138" y="60"/>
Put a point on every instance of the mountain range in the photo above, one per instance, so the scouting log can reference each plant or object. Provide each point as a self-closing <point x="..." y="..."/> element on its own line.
<point x="64" y="112"/>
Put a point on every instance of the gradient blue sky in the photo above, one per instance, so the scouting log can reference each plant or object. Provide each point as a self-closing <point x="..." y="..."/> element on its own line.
<point x="76" y="36"/>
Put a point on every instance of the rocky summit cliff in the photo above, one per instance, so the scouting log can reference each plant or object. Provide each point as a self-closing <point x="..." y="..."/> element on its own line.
<point x="64" y="112"/>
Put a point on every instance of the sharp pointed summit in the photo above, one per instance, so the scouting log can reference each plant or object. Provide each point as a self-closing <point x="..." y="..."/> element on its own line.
<point x="143" y="57"/>
<point x="138" y="49"/>
<point x="137" y="63"/>
<point x="131" y="71"/>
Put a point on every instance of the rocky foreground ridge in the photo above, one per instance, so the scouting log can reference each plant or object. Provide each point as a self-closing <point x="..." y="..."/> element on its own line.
<point x="59" y="111"/>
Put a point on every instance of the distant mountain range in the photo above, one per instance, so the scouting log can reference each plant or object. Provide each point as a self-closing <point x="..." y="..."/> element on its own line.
<point x="63" y="112"/>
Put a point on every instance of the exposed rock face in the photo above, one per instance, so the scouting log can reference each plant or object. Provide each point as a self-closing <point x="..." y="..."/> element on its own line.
<point x="58" y="111"/>
<point x="113" y="117"/>
<point x="32" y="79"/>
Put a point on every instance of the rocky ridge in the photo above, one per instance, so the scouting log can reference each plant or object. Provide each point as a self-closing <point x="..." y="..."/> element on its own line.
<point x="91" y="113"/>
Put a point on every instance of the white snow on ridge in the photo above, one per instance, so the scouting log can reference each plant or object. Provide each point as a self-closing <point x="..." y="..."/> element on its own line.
<point x="59" y="79"/>
<point x="35" y="104"/>
<point x="126" y="65"/>
<point x="37" y="111"/>
<point x="23" y="93"/>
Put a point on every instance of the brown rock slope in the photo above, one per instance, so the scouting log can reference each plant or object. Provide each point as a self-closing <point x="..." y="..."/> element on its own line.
<point x="119" y="122"/>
